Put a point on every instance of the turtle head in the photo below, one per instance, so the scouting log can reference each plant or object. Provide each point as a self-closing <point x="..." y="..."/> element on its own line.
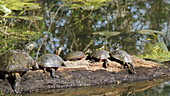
<point x="116" y="48"/>
<point x="30" y="46"/>
<point x="101" y="48"/>
<point x="35" y="65"/>
<point x="58" y="51"/>
<point x="88" y="51"/>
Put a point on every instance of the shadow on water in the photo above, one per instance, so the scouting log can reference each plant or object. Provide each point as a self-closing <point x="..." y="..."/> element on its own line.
<point x="157" y="87"/>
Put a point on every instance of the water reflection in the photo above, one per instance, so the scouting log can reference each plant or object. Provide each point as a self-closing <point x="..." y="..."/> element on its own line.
<point x="162" y="89"/>
<point x="73" y="27"/>
<point x="157" y="87"/>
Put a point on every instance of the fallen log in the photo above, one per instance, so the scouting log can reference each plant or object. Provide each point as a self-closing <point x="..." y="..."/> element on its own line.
<point x="84" y="73"/>
<point x="124" y="89"/>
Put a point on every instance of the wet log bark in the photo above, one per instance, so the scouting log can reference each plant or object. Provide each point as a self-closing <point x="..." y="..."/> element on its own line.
<point x="84" y="73"/>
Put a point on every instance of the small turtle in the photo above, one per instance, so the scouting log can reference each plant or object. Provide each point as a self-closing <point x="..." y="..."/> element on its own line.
<point x="15" y="63"/>
<point x="51" y="62"/>
<point x="75" y="55"/>
<point x="124" y="57"/>
<point x="101" y="55"/>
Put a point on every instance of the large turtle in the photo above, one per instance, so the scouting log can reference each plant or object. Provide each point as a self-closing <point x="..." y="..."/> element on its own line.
<point x="75" y="55"/>
<point x="100" y="55"/>
<point x="123" y="56"/>
<point x="14" y="63"/>
<point x="51" y="62"/>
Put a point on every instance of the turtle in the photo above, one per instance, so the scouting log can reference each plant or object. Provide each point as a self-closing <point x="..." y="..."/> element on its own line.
<point x="100" y="55"/>
<point x="75" y="55"/>
<point x="124" y="57"/>
<point x="50" y="62"/>
<point x="15" y="63"/>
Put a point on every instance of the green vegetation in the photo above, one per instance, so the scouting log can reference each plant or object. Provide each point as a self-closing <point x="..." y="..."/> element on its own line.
<point x="20" y="5"/>
<point x="85" y="4"/>
<point x="1" y="93"/>
<point x="157" y="53"/>
<point x="155" y="49"/>
<point x="82" y="24"/>
<point x="18" y="23"/>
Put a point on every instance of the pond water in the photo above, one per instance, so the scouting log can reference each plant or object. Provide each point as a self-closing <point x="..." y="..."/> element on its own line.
<point x="94" y="25"/>
<point x="157" y="87"/>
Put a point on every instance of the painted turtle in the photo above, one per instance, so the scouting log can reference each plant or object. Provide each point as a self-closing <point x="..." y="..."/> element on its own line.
<point x="51" y="62"/>
<point x="75" y="55"/>
<point x="15" y="63"/>
<point x="124" y="57"/>
<point x="101" y="55"/>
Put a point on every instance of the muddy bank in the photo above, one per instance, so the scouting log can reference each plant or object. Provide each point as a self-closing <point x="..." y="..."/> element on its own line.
<point x="84" y="73"/>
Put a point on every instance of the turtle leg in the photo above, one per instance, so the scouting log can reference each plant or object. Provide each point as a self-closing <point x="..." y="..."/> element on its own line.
<point x="105" y="63"/>
<point x="16" y="84"/>
<point x="126" y="67"/>
<point x="132" y="67"/>
<point x="44" y="70"/>
<point x="53" y="73"/>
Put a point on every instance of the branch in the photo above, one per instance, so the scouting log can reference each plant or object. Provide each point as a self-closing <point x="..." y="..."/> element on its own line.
<point x="4" y="32"/>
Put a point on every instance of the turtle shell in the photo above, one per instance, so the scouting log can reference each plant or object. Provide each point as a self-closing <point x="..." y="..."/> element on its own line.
<point x="75" y="55"/>
<point x="100" y="54"/>
<point x="15" y="61"/>
<point x="50" y="60"/>
<point x="121" y="55"/>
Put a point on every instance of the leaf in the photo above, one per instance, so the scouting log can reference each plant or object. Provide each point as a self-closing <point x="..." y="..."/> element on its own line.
<point x="30" y="18"/>
<point x="5" y="10"/>
<point x="150" y="32"/>
<point x="30" y="6"/>
<point x="19" y="4"/>
<point x="88" y="7"/>
<point x="106" y="33"/>
<point x="148" y="48"/>
<point x="85" y="4"/>
<point x="163" y="46"/>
